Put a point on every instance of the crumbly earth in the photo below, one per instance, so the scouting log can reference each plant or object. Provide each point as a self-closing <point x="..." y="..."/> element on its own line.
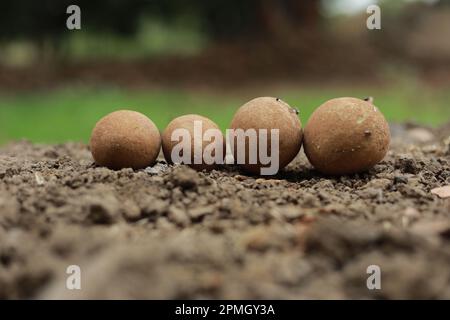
<point x="172" y="232"/>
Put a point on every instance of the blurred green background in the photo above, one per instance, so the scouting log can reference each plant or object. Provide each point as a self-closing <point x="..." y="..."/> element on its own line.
<point x="168" y="58"/>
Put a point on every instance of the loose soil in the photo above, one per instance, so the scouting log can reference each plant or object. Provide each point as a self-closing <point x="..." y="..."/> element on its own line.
<point x="172" y="232"/>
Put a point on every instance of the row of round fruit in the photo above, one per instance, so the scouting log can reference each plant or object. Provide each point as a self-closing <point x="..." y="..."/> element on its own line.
<point x="343" y="136"/>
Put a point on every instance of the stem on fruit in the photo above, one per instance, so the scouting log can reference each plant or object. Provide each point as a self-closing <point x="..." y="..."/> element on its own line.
<point x="369" y="99"/>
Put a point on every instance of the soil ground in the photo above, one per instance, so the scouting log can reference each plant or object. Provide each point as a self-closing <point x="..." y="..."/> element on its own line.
<point x="172" y="232"/>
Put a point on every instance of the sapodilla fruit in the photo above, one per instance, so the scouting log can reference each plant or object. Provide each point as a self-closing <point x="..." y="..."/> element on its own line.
<point x="125" y="139"/>
<point x="269" y="113"/>
<point x="346" y="136"/>
<point x="198" y="144"/>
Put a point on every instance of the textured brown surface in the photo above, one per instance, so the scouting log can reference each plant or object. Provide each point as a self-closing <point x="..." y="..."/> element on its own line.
<point x="270" y="113"/>
<point x="346" y="135"/>
<point x="187" y="122"/>
<point x="125" y="139"/>
<point x="172" y="232"/>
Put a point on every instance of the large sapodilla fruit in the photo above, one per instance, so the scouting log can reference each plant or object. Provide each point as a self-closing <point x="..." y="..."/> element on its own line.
<point x="125" y="139"/>
<point x="196" y="144"/>
<point x="269" y="113"/>
<point x="346" y="136"/>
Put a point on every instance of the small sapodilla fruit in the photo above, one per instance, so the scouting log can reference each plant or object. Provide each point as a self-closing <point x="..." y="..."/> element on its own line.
<point x="269" y="113"/>
<point x="197" y="144"/>
<point x="346" y="136"/>
<point x="125" y="139"/>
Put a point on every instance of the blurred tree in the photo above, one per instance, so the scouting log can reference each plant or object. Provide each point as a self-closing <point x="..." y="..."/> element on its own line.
<point x="45" y="19"/>
<point x="44" y="22"/>
<point x="225" y="19"/>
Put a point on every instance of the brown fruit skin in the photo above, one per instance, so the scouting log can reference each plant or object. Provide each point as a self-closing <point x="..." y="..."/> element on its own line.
<point x="125" y="139"/>
<point x="346" y="136"/>
<point x="187" y="122"/>
<point x="270" y="113"/>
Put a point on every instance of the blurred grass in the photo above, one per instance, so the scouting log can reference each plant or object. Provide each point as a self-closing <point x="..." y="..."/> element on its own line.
<point x="70" y="114"/>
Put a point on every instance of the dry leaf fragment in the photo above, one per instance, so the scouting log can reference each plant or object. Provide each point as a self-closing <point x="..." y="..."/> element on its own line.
<point x="442" y="192"/>
<point x="39" y="179"/>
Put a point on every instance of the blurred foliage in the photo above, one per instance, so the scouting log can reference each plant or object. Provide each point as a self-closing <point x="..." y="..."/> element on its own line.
<point x="45" y="19"/>
<point x="36" y="30"/>
<point x="142" y="28"/>
<point x="32" y="31"/>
